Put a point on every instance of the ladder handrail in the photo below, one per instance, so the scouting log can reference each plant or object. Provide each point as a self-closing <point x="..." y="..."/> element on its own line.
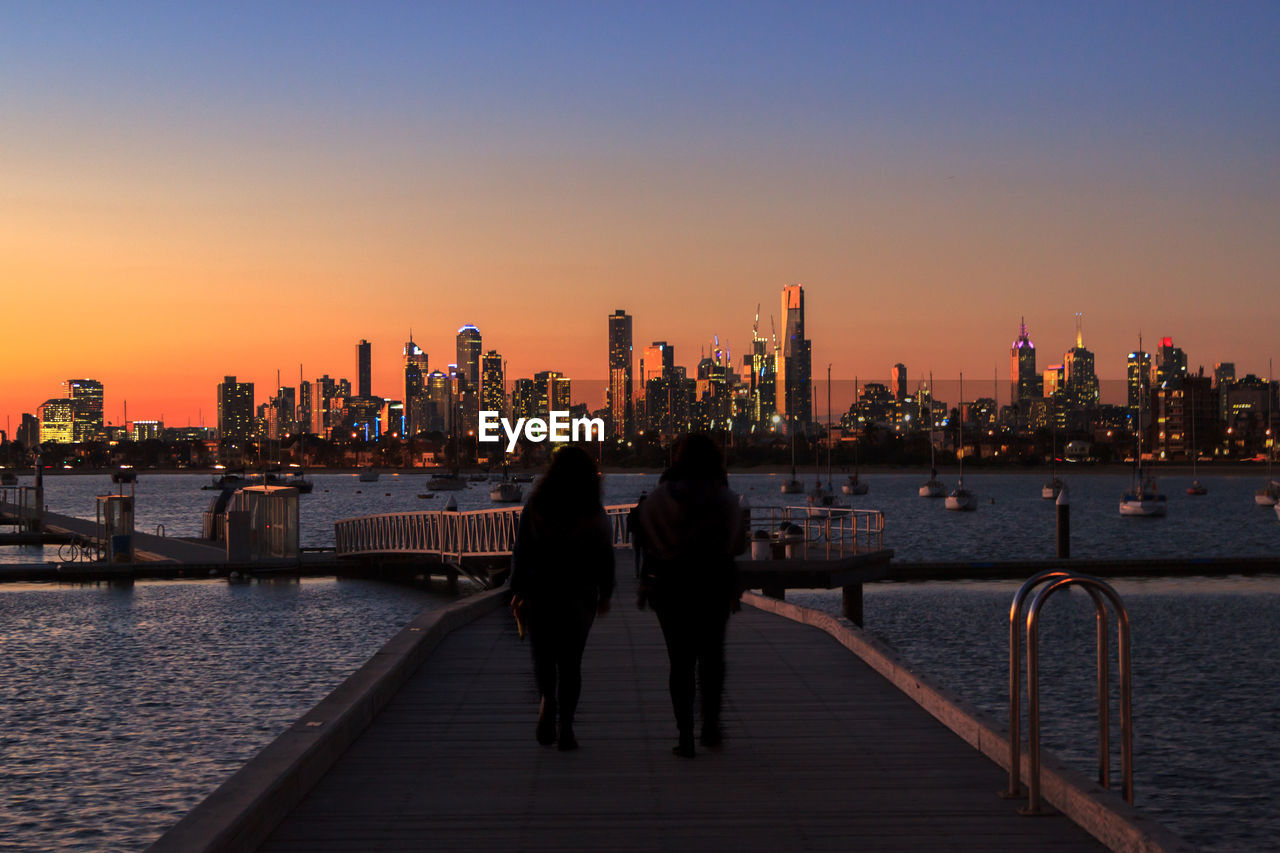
<point x="1102" y="593"/>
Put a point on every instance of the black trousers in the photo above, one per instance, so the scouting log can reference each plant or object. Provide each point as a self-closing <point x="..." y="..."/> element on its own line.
<point x="558" y="634"/>
<point x="694" y="630"/>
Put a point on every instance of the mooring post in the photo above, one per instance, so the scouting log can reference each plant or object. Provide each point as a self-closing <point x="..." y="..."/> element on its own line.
<point x="1063" y="504"/>
<point x="853" y="603"/>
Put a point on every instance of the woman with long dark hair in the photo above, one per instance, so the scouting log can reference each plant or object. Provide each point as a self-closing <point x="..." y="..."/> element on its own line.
<point x="561" y="578"/>
<point x="691" y="527"/>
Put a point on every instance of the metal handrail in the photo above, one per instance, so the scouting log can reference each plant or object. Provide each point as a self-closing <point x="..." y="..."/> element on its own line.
<point x="832" y="531"/>
<point x="1102" y="594"/>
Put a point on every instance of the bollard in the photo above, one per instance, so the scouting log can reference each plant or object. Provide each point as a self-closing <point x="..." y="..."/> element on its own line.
<point x="1063" y="504"/>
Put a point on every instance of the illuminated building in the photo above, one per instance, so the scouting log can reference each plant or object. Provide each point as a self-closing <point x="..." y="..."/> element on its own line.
<point x="1024" y="383"/>
<point x="29" y="431"/>
<point x="323" y="393"/>
<point x="280" y="409"/>
<point x="415" y="388"/>
<point x="524" y="399"/>
<point x="1053" y="379"/>
<point x="552" y="390"/>
<point x="56" y="419"/>
<point x="1081" y="381"/>
<point x="235" y="410"/>
<point x="1177" y="408"/>
<point x="145" y="430"/>
<point x="618" y="400"/>
<point x="794" y="392"/>
<point x="303" y="418"/>
<point x="1224" y="376"/>
<point x="492" y="383"/>
<point x="86" y="407"/>
<point x="364" y="368"/>
<point x="439" y="405"/>
<point x="1138" y="380"/>
<point x="469" y="355"/>
<point x="898" y="381"/>
<point x="1171" y="364"/>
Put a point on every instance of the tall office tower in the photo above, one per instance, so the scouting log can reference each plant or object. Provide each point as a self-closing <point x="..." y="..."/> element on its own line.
<point x="469" y="355"/>
<point x="899" y="382"/>
<point x="493" y="389"/>
<point x="415" y="388"/>
<point x="29" y="431"/>
<point x="280" y="413"/>
<point x="1054" y="380"/>
<point x="364" y="368"/>
<point x="552" y="390"/>
<point x="1081" y="381"/>
<point x="1171" y="364"/>
<point x="1024" y="383"/>
<point x="439" y="396"/>
<point x="303" y="416"/>
<point x="342" y="388"/>
<point x="794" y="395"/>
<point x="761" y="381"/>
<point x="619" y="402"/>
<point x="1224" y="376"/>
<point x="657" y="360"/>
<point x="524" y="399"/>
<point x="86" y="408"/>
<point x="1138" y="379"/>
<point x="235" y="410"/>
<point x="323" y="390"/>
<point x="56" y="421"/>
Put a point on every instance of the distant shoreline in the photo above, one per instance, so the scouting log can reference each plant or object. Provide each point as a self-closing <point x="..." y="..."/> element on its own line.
<point x="1207" y="469"/>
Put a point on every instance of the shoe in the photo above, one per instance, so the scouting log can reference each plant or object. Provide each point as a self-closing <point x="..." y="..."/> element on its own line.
<point x="546" y="731"/>
<point x="568" y="742"/>
<point x="684" y="748"/>
<point x="712" y="736"/>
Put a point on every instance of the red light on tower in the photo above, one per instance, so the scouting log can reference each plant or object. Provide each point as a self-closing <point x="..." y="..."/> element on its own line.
<point x="1166" y="342"/>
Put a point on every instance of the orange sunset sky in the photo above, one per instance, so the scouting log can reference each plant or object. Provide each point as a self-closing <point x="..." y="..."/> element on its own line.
<point x="186" y="194"/>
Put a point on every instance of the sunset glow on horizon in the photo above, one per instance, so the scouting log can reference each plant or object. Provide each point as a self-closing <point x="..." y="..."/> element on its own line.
<point x="201" y="192"/>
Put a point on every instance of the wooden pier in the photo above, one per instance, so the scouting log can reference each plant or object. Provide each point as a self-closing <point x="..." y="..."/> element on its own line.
<point x="822" y="752"/>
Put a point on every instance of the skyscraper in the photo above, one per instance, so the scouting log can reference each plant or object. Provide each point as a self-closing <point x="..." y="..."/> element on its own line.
<point x="364" y="370"/>
<point x="794" y="373"/>
<point x="619" y="400"/>
<point x="1024" y="383"/>
<point x="415" y="388"/>
<point x="899" y="382"/>
<point x="1171" y="364"/>
<point x="56" y="420"/>
<point x="235" y="410"/>
<point x="1081" y="380"/>
<point x="323" y="390"/>
<point x="1138" y="378"/>
<point x="469" y="355"/>
<point x="86" y="408"/>
<point x="658" y="360"/>
<point x="492" y="383"/>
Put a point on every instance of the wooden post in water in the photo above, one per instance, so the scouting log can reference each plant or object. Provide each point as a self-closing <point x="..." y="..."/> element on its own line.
<point x="1063" y="504"/>
<point x="853" y="603"/>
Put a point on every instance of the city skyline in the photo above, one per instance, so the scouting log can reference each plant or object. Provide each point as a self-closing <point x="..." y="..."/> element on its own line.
<point x="214" y="198"/>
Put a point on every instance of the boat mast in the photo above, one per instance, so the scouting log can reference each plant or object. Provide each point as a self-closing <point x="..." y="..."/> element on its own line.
<point x="828" y="426"/>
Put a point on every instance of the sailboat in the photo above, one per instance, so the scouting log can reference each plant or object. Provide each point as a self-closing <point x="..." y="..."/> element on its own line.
<point x="854" y="486"/>
<point x="1142" y="499"/>
<point x="1050" y="490"/>
<point x="819" y="498"/>
<point x="934" y="488"/>
<point x="961" y="498"/>
<point x="1195" y="488"/>
<point x="1269" y="495"/>
<point x="505" y="491"/>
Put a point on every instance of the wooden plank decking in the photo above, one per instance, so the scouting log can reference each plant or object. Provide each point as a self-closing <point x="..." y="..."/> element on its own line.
<point x="821" y="753"/>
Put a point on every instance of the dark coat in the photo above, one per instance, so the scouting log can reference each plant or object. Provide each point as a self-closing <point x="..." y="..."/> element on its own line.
<point x="563" y="559"/>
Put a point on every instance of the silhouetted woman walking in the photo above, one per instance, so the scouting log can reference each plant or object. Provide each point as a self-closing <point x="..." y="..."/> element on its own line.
<point x="561" y="577"/>
<point x="691" y="527"/>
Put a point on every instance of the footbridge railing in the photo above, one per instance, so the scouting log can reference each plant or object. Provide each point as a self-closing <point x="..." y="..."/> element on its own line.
<point x="449" y="535"/>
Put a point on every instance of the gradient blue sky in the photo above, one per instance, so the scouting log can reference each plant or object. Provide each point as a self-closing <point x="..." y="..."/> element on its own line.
<point x="250" y="186"/>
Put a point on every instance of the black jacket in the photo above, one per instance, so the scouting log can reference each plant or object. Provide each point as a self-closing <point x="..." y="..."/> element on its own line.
<point x="563" y="559"/>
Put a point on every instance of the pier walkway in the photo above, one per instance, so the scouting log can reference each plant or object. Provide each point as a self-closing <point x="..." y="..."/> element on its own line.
<point x="821" y="753"/>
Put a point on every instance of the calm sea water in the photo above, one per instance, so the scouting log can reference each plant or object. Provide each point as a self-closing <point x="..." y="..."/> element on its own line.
<point x="97" y="684"/>
<point x="121" y="707"/>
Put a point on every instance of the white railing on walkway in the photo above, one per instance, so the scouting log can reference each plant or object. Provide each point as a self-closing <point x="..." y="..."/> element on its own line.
<point x="448" y="535"/>
<point x="451" y="536"/>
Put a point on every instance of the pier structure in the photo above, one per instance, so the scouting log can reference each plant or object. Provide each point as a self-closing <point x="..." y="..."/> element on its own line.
<point x="831" y="744"/>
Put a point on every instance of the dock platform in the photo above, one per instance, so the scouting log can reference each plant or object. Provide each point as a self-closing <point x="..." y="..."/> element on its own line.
<point x="821" y="753"/>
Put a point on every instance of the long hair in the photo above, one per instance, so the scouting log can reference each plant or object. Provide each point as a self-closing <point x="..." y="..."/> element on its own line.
<point x="570" y="489"/>
<point x="697" y="458"/>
